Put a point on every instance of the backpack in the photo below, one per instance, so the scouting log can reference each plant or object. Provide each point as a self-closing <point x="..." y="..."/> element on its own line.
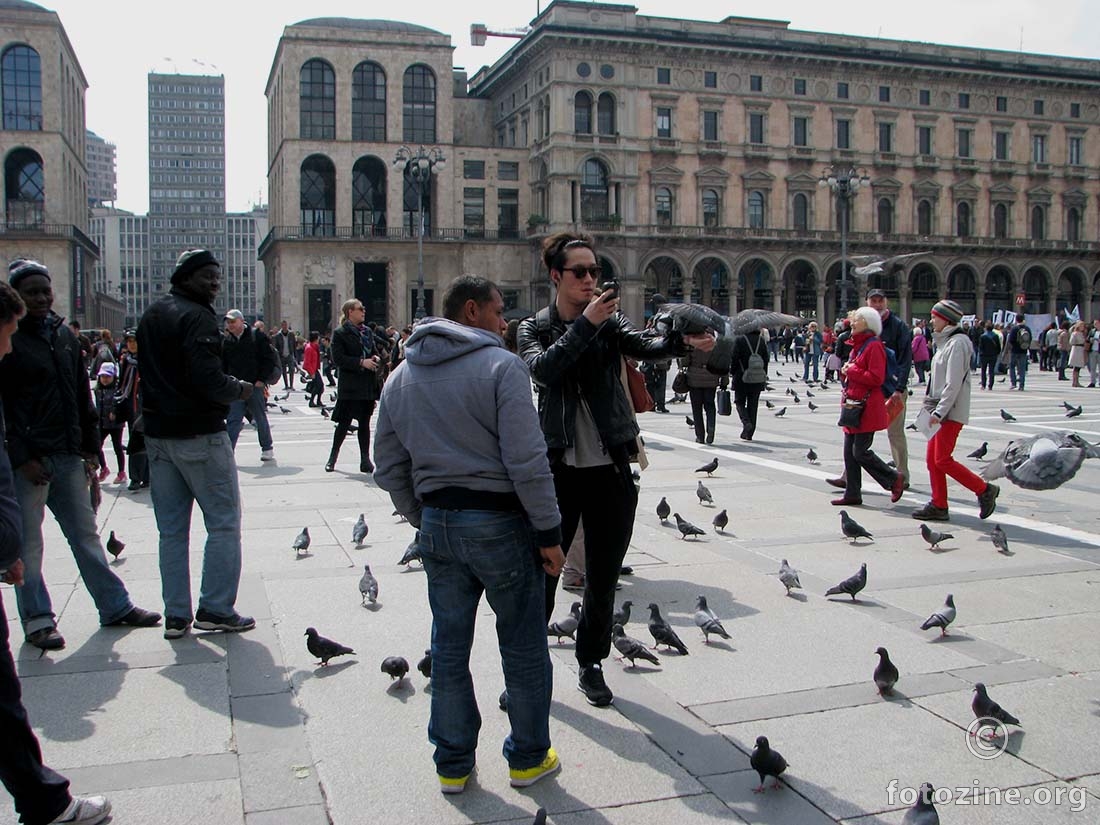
<point x="1023" y="336"/>
<point x="755" y="372"/>
<point x="890" y="382"/>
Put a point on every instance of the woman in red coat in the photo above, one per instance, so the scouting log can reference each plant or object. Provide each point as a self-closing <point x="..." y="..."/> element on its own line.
<point x="863" y="375"/>
<point x="311" y="366"/>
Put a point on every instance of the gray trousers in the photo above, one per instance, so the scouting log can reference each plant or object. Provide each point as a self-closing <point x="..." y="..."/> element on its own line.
<point x="899" y="446"/>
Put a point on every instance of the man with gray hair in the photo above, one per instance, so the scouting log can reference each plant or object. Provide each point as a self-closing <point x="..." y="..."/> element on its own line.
<point x="247" y="356"/>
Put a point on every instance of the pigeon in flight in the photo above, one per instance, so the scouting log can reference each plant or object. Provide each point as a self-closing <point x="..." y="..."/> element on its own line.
<point x="1006" y="415"/>
<point x="1042" y="461"/>
<point x="1076" y="411"/>
<point x="766" y="762"/>
<point x="663" y="510"/>
<point x="781" y="413"/>
<point x="851" y="585"/>
<point x="324" y="649"/>
<point x="662" y="631"/>
<point x="886" y="673"/>
<point x="1000" y="540"/>
<point x="867" y="265"/>
<point x="395" y="667"/>
<point x="301" y="542"/>
<point x="985" y="708"/>
<point x="622" y="615"/>
<point x="720" y="522"/>
<point x="942" y="617"/>
<point x="751" y="320"/>
<point x="425" y="664"/>
<point x="686" y="528"/>
<point x="360" y="530"/>
<point x="923" y="811"/>
<point x="368" y="586"/>
<point x="630" y="648"/>
<point x="934" y="537"/>
<point x="704" y="494"/>
<point x="852" y="528"/>
<point x="979" y="453"/>
<point x="567" y="626"/>
<point x="789" y="577"/>
<point x="811" y="455"/>
<point x="709" y="467"/>
<point x="707" y="621"/>
<point x="114" y="546"/>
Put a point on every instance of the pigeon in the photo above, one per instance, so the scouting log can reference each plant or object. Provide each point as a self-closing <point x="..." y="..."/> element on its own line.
<point x="425" y="664"/>
<point x="707" y="621"/>
<point x="686" y="528"/>
<point x="980" y="452"/>
<point x="630" y="648"/>
<point x="942" y="617"/>
<point x="886" y="674"/>
<point x="934" y="537"/>
<point x="813" y="407"/>
<point x="851" y="528"/>
<point x="690" y="421"/>
<point x="677" y="398"/>
<point x="1076" y="411"/>
<point x="793" y="380"/>
<point x="324" y="413"/>
<point x="781" y="413"/>
<point x="568" y="625"/>
<point x="912" y="427"/>
<point x="400" y="516"/>
<point x="412" y="552"/>
<point x="396" y="667"/>
<point x="751" y="320"/>
<point x="360" y="530"/>
<point x="867" y="265"/>
<point x="766" y="762"/>
<point x="324" y="649"/>
<point x="720" y="522"/>
<point x="789" y="577"/>
<point x="810" y="394"/>
<point x="622" y="615"/>
<point x="1042" y="461"/>
<point x="689" y="318"/>
<point x="709" y="467"/>
<point x="332" y="397"/>
<point x="794" y="396"/>
<point x="301" y="542"/>
<point x="272" y="406"/>
<point x="662" y="631"/>
<point x="368" y="586"/>
<point x="851" y="585"/>
<point x="284" y="410"/>
<point x="986" y="708"/>
<point x="1006" y="415"/>
<point x="788" y="391"/>
<point x="114" y="546"/>
<point x="811" y="456"/>
<point x="1066" y="405"/>
<point x="663" y="510"/>
<point x="769" y="404"/>
<point x="1000" y="540"/>
<point x="703" y="493"/>
<point x="923" y="811"/>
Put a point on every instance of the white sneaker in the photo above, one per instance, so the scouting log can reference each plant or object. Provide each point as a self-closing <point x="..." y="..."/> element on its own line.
<point x="85" y="810"/>
<point x="267" y="455"/>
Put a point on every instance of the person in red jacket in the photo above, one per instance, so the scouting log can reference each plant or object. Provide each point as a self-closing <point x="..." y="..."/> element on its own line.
<point x="863" y="375"/>
<point x="311" y="366"/>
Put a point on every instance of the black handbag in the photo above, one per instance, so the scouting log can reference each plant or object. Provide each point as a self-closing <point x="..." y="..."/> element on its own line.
<point x="851" y="413"/>
<point x="680" y="382"/>
<point x="722" y="402"/>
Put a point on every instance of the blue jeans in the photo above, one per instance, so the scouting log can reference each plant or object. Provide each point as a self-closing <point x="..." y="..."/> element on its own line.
<point x="1017" y="369"/>
<point x="66" y="494"/>
<point x="810" y="357"/>
<point x="467" y="552"/>
<point x="234" y="420"/>
<point x="181" y="472"/>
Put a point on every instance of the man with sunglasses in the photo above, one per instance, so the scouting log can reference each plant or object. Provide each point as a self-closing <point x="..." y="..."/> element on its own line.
<point x="574" y="349"/>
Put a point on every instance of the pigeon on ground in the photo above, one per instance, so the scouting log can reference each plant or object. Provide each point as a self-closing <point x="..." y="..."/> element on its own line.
<point x="686" y="528"/>
<point x="400" y="516"/>
<point x="942" y="617"/>
<point x="793" y="380"/>
<point x="795" y="397"/>
<point x="690" y="421"/>
<point x="567" y="626"/>
<point x="934" y="537"/>
<point x="923" y="811"/>
<point x="114" y="546"/>
<point x="663" y="510"/>
<point x="766" y="762"/>
<point x="425" y="664"/>
<point x="272" y="406"/>
<point x="707" y="621"/>
<point x="1042" y="461"/>
<point x="781" y="413"/>
<point x="368" y="586"/>
<point x="769" y="404"/>
<point x="395" y="667"/>
<point x="810" y="394"/>
<point x="630" y="648"/>
<point x="1076" y="411"/>
<point x="851" y="585"/>
<point x="622" y="615"/>
<point x="789" y="577"/>
<point x="852" y="528"/>
<point x="301" y="542"/>
<point x="1006" y="415"/>
<point x="886" y="674"/>
<point x="332" y="397"/>
<point x="284" y="410"/>
<point x="986" y="708"/>
<point x="324" y="649"/>
<point x="720" y="522"/>
<point x="412" y="552"/>
<point x="677" y="398"/>
<point x="324" y="413"/>
<point x="360" y="530"/>
<point x="813" y="407"/>
<point x="662" y="631"/>
<point x="1000" y="540"/>
<point x="980" y="452"/>
<point x="709" y="467"/>
<point x="811" y="455"/>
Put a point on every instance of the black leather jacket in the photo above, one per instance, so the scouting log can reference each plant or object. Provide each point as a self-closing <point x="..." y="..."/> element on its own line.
<point x="568" y="360"/>
<point x="250" y="357"/>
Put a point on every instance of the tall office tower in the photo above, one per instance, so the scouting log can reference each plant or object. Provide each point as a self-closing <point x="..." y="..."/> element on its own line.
<point x="186" y="172"/>
<point x="123" y="268"/>
<point x="99" y="156"/>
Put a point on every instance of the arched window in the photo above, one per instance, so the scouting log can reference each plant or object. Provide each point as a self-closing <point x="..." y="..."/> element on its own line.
<point x="756" y="210"/>
<point x="663" y="202"/>
<point x="1073" y="225"/>
<point x="1038" y="223"/>
<point x="22" y="89"/>
<point x="962" y="220"/>
<point x="368" y="102"/>
<point x="595" y="200"/>
<point x="368" y="197"/>
<point x="318" y="196"/>
<point x="1000" y="221"/>
<point x="885" y="216"/>
<point x="605" y="114"/>
<point x="800" y="209"/>
<point x="24" y="188"/>
<point x="418" y="111"/>
<point x="582" y="113"/>
<point x="712" y="207"/>
<point x="417" y="189"/>
<point x="317" y="101"/>
<point x="924" y="218"/>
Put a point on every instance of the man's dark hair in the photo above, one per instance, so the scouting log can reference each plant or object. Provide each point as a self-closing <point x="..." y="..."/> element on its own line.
<point x="1019" y="317"/>
<point x="11" y="303"/>
<point x="74" y="324"/>
<point x="988" y="326"/>
<point x="313" y="336"/>
<point x="556" y="247"/>
<point x="466" y="288"/>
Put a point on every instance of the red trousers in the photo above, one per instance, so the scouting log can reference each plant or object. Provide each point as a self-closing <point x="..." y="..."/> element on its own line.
<point x="942" y="464"/>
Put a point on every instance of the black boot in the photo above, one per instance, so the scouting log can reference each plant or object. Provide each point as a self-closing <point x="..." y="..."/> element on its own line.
<point x="330" y="465"/>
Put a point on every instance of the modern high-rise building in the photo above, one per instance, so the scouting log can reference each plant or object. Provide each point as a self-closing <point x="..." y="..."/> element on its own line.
<point x="123" y="268"/>
<point x="186" y="171"/>
<point x="243" y="281"/>
<point x="102" y="176"/>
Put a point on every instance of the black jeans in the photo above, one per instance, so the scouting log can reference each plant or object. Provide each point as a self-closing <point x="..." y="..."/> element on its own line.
<point x="858" y="456"/>
<point x="116" y="442"/>
<point x="702" y="400"/>
<point x="655" y="381"/>
<point x="605" y="499"/>
<point x="40" y="793"/>
<point x="989" y="367"/>
<point x="289" y="366"/>
<point x="746" y="397"/>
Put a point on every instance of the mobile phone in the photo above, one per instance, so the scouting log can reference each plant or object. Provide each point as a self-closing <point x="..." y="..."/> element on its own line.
<point x="606" y="287"/>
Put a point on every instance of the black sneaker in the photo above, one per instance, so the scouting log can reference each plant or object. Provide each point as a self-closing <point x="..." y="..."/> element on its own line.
<point x="205" y="620"/>
<point x="594" y="688"/>
<point x="987" y="500"/>
<point x="175" y="628"/>
<point x="930" y="512"/>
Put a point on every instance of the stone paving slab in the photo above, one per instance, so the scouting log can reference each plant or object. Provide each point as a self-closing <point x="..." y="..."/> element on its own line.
<point x="1057" y="640"/>
<point x="1045" y="802"/>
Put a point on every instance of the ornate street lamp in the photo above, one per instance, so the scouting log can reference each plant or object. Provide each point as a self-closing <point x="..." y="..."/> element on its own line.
<point x="844" y="182"/>
<point x="418" y="165"/>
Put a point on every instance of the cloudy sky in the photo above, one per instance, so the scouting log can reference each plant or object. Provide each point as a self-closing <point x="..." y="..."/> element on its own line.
<point x="119" y="41"/>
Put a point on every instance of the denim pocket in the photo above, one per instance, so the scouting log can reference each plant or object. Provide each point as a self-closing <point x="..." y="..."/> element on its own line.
<point x="501" y="555"/>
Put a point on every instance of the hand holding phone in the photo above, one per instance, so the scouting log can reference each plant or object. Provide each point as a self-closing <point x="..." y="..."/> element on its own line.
<point x="609" y="290"/>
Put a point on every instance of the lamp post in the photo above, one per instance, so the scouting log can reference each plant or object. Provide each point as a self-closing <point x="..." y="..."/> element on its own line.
<point x="418" y="165"/>
<point x="844" y="182"/>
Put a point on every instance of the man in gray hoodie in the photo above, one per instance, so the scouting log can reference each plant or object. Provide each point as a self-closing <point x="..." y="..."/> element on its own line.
<point x="459" y="449"/>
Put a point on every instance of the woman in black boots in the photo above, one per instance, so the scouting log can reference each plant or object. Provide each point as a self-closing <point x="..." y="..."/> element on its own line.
<point x="353" y="354"/>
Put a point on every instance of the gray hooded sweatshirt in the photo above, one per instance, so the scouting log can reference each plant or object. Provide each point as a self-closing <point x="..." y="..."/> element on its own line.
<point x="457" y="412"/>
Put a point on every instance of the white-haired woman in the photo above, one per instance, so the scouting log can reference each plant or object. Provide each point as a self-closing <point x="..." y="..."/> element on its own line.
<point x="863" y="375"/>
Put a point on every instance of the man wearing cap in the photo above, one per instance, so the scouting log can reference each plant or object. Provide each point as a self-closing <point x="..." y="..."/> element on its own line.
<point x="185" y="400"/>
<point x="52" y="432"/>
<point x="247" y="356"/>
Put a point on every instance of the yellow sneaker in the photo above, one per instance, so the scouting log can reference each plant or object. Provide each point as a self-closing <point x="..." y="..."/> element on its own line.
<point x="449" y="785"/>
<point x="529" y="776"/>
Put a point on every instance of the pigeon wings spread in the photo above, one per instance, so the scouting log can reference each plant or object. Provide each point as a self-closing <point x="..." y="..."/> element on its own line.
<point x="751" y="320"/>
<point x="1043" y="461"/>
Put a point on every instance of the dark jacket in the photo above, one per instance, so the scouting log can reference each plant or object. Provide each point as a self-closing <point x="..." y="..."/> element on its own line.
<point x="897" y="335"/>
<point x="356" y="382"/>
<point x="47" y="399"/>
<point x="106" y="404"/>
<point x="698" y="376"/>
<point x="277" y="341"/>
<point x="11" y="516"/>
<point x="249" y="358"/>
<point x="184" y="391"/>
<point x="743" y="347"/>
<point x="572" y="359"/>
<point x="863" y="382"/>
<point x="989" y="346"/>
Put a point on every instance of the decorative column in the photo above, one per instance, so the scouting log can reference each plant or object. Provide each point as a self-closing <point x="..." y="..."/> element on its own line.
<point x="821" y="319"/>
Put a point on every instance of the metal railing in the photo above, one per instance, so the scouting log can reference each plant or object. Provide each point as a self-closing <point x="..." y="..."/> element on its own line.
<point x="53" y="230"/>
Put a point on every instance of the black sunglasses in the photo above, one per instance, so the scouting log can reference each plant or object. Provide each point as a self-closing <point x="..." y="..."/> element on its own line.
<point x="580" y="271"/>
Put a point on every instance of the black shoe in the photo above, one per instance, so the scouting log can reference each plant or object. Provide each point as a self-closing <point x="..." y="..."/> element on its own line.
<point x="698" y="440"/>
<point x="987" y="500"/>
<point x="137" y="617"/>
<point x="662" y="409"/>
<point x="365" y="466"/>
<point x="175" y="628"/>
<point x="710" y="438"/>
<point x="930" y="512"/>
<point x="594" y="688"/>
<point x="502" y="701"/>
<point x="330" y="466"/>
<point x="205" y="620"/>
<point x="46" y="638"/>
<point x="134" y="485"/>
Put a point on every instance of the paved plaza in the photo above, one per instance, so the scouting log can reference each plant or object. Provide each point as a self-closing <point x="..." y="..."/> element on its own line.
<point x="246" y="729"/>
